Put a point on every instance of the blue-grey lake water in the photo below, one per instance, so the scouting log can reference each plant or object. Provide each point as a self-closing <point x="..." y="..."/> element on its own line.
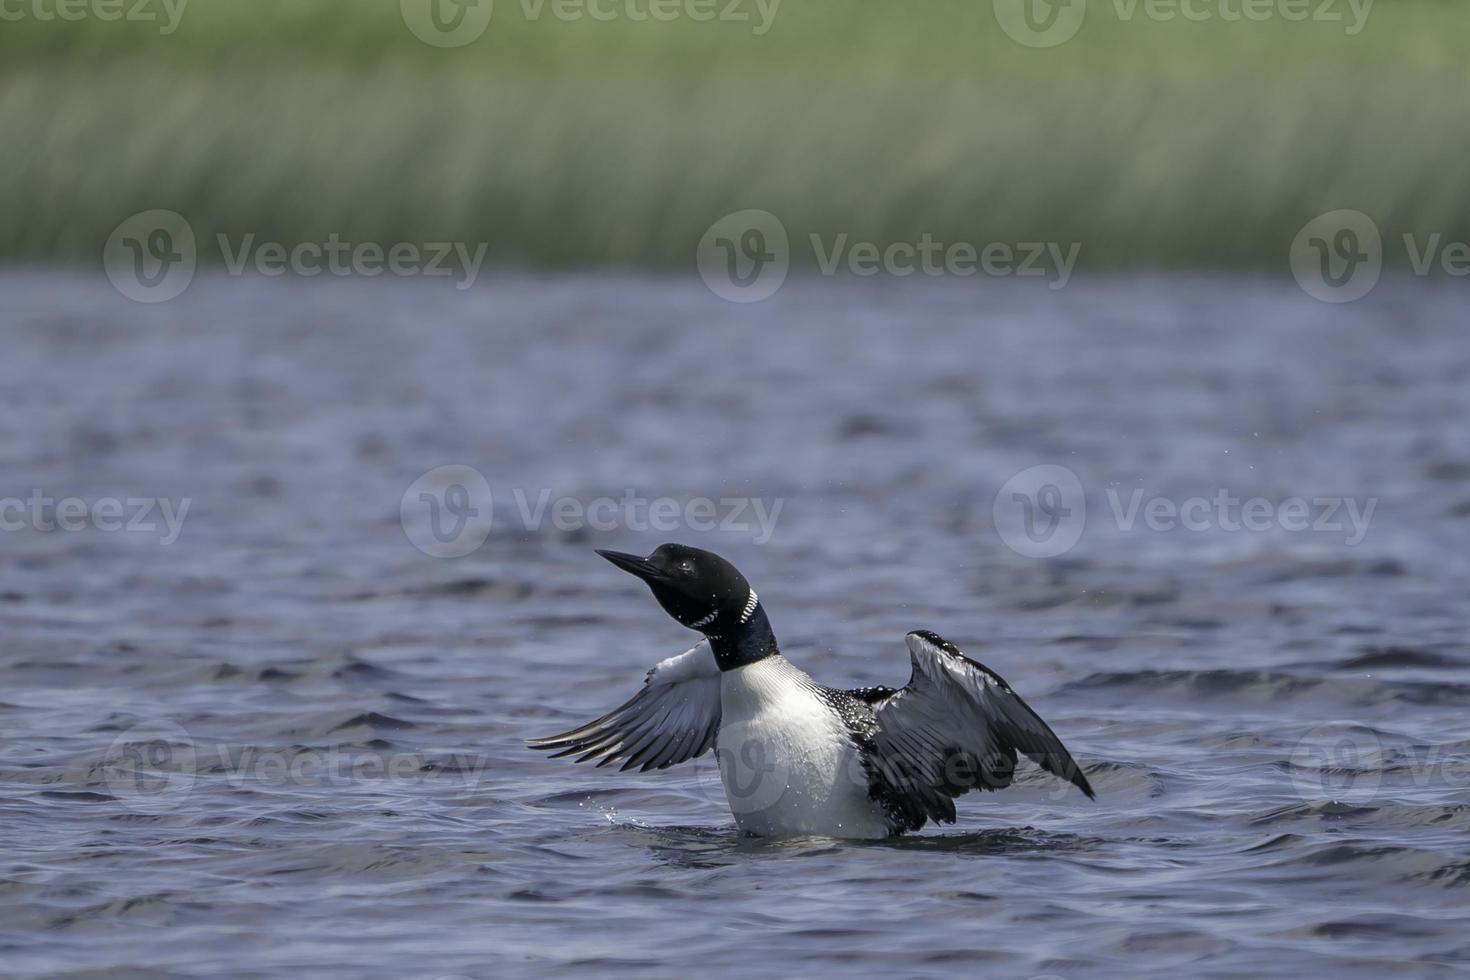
<point x="254" y="723"/>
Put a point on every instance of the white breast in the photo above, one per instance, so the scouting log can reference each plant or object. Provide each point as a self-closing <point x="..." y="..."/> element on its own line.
<point x="788" y="765"/>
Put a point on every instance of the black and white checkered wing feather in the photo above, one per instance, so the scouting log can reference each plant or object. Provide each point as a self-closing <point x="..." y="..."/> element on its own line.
<point x="955" y="727"/>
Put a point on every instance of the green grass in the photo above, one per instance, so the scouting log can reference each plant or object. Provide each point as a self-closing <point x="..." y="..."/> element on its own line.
<point x="587" y="143"/>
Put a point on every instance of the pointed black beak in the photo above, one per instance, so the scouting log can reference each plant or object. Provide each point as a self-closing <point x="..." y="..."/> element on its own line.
<point x="641" y="567"/>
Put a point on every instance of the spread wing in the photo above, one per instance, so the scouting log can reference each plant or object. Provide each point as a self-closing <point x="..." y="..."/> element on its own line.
<point x="675" y="717"/>
<point x="957" y="726"/>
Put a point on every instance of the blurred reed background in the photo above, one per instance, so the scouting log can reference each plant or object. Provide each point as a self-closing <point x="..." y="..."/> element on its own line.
<point x="586" y="143"/>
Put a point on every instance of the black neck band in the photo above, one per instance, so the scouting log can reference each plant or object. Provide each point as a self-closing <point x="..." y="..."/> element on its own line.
<point x="745" y="643"/>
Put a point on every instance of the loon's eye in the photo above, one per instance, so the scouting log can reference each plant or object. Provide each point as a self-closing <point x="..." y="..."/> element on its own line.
<point x="686" y="565"/>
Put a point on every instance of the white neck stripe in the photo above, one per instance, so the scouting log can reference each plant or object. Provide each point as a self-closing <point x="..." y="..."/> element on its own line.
<point x="750" y="603"/>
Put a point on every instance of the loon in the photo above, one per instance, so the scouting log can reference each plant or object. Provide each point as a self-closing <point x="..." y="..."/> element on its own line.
<point x="797" y="758"/>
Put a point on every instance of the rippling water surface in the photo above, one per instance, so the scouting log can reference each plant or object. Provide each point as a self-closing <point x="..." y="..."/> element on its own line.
<point x="288" y="742"/>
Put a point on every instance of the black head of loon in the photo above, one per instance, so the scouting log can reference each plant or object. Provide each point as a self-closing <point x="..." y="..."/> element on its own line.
<point x="704" y="592"/>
